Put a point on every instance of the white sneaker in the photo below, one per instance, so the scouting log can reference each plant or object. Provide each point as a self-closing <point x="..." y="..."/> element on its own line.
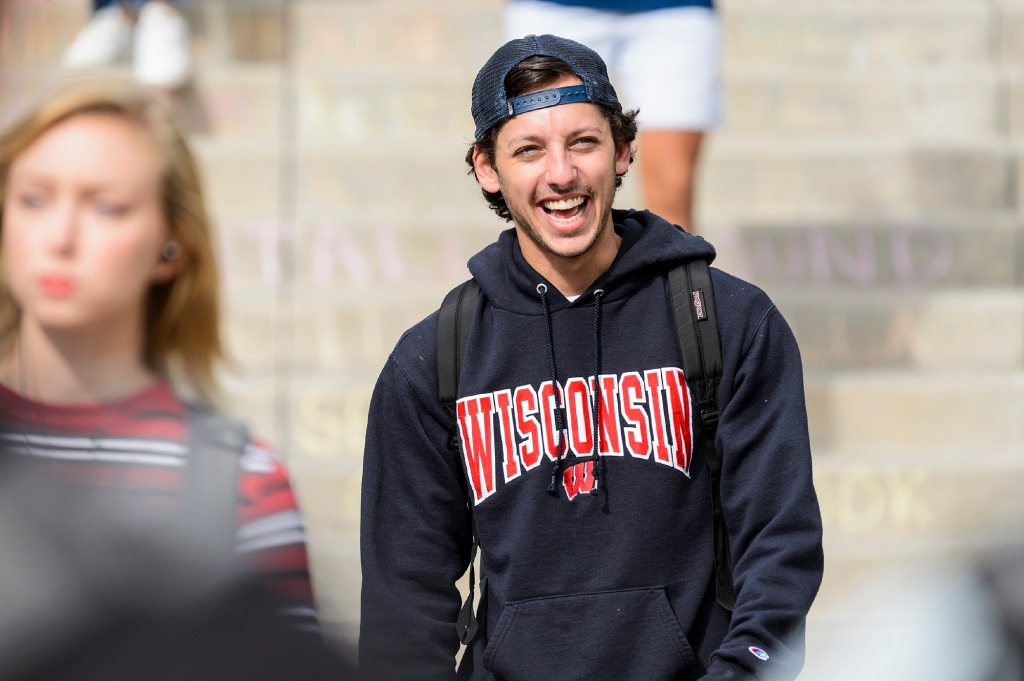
<point x="106" y="39"/>
<point x="162" y="49"/>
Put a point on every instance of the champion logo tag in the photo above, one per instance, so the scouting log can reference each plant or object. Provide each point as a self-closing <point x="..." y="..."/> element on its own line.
<point x="698" y="305"/>
<point x="758" y="653"/>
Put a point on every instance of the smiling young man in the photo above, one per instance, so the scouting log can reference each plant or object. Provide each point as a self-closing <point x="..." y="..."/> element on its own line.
<point x="557" y="171"/>
<point x="578" y="463"/>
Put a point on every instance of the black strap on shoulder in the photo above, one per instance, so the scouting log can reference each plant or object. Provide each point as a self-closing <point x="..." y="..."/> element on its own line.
<point x="455" y="318"/>
<point x="693" y="308"/>
<point x="453" y="324"/>
<point x="216" y="445"/>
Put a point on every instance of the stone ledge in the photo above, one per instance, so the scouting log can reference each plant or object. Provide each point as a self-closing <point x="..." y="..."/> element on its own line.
<point x="942" y="411"/>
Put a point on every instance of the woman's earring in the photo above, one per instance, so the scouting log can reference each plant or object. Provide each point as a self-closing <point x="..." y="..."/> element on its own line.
<point x="170" y="251"/>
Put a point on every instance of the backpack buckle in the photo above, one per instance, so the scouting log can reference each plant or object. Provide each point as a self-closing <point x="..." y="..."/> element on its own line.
<point x="709" y="417"/>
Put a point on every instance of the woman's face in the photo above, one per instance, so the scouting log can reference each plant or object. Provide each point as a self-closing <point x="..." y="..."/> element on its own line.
<point x="83" y="225"/>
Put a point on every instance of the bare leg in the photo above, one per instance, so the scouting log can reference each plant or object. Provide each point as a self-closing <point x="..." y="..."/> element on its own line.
<point x="668" y="166"/>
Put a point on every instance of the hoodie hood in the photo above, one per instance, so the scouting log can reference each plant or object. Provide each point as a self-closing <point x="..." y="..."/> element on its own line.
<point x="648" y="242"/>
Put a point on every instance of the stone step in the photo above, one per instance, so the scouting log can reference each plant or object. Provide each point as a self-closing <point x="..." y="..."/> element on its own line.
<point x="353" y="253"/>
<point x="955" y="102"/>
<point x="896" y="330"/>
<point x="873" y="36"/>
<point x="318" y="182"/>
<point x="404" y="34"/>
<point x="941" y="411"/>
<point x="916" y="500"/>
<point x="836" y="179"/>
<point x="941" y="251"/>
<point x="314" y="417"/>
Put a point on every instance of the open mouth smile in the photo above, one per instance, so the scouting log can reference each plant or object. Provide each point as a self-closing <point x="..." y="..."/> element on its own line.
<point x="565" y="210"/>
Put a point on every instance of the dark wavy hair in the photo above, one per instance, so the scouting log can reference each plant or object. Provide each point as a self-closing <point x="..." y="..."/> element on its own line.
<point x="529" y="75"/>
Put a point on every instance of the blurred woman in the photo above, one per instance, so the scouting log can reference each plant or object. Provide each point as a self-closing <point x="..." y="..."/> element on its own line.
<point x="109" y="320"/>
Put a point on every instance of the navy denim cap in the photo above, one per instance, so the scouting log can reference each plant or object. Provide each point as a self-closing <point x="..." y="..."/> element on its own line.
<point x="491" y="104"/>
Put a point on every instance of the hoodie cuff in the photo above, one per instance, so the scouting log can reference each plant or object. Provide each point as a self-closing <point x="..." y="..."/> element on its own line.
<point x="722" y="670"/>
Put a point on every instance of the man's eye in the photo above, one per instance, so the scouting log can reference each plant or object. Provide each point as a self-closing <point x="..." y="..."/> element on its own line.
<point x="523" y="151"/>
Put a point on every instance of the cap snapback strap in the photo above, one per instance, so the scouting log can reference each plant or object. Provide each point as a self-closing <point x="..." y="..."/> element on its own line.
<point x="570" y="94"/>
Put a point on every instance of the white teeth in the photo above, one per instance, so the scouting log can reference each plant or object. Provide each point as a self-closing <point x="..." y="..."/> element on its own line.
<point x="564" y="204"/>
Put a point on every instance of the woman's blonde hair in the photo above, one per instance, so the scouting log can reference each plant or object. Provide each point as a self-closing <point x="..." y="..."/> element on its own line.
<point x="182" y="340"/>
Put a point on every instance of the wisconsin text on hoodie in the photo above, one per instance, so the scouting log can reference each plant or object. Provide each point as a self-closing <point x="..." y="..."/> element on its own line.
<point x="645" y="415"/>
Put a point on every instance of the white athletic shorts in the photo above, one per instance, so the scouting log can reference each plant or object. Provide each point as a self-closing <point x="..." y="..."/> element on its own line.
<point x="667" y="62"/>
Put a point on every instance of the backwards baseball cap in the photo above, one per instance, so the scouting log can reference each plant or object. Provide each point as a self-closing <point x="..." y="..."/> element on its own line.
<point x="492" y="105"/>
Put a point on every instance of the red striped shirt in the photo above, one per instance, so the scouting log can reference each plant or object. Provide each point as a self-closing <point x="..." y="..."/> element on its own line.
<point x="138" y="446"/>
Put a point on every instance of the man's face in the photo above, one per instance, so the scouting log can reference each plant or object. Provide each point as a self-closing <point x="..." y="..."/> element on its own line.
<point x="556" y="169"/>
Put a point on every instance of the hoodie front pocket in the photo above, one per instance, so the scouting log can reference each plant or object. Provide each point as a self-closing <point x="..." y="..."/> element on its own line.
<point x="630" y="634"/>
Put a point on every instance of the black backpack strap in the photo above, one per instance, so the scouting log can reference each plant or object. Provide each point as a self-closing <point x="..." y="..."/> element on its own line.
<point x="693" y="308"/>
<point x="216" y="445"/>
<point x="455" y="318"/>
<point x="453" y="323"/>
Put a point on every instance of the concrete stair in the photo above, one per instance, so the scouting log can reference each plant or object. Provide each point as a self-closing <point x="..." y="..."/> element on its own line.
<point x="869" y="177"/>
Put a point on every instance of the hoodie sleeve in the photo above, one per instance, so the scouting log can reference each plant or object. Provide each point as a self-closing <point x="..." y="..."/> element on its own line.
<point x="771" y="509"/>
<point x="414" y="532"/>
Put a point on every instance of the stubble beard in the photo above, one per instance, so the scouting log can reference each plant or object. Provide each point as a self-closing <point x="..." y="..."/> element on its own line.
<point x="527" y="228"/>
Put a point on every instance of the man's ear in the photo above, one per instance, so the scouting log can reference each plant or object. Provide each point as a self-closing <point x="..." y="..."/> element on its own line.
<point x="622" y="159"/>
<point x="486" y="174"/>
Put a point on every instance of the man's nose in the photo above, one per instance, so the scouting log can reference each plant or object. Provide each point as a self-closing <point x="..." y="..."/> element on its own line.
<point x="561" y="170"/>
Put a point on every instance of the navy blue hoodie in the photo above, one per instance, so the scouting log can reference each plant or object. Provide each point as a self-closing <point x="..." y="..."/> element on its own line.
<point x="613" y="585"/>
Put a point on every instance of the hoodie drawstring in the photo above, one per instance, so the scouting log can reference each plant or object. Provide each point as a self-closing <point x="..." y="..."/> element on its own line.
<point x="595" y="410"/>
<point x="556" y="465"/>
